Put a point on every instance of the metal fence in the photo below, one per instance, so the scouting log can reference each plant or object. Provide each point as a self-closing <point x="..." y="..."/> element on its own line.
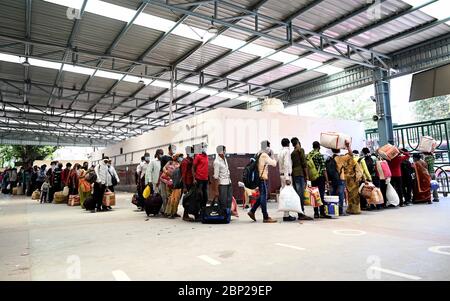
<point x="408" y="136"/>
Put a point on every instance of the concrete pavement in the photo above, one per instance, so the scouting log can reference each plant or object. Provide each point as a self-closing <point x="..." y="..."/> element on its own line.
<point x="58" y="242"/>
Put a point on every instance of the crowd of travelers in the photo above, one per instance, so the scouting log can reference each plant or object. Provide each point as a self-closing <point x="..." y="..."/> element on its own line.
<point x="79" y="182"/>
<point x="166" y="180"/>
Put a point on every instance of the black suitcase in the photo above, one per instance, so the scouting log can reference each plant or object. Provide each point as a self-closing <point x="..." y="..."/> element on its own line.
<point x="153" y="204"/>
<point x="89" y="203"/>
<point x="214" y="213"/>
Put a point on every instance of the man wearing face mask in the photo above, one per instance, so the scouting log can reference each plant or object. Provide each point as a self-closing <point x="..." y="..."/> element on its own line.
<point x="222" y="179"/>
<point x="103" y="181"/>
<point x="162" y="186"/>
<point x="152" y="173"/>
<point x="264" y="161"/>
<point x="140" y="172"/>
<point x="200" y="172"/>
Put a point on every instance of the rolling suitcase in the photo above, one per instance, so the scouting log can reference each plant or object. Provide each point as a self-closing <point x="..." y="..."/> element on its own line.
<point x="214" y="213"/>
<point x="153" y="204"/>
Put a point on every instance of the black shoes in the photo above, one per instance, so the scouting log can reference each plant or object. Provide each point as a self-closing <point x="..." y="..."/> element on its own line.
<point x="436" y="200"/>
<point x="325" y="216"/>
<point x="302" y="217"/>
<point x="316" y="215"/>
<point x="289" y="219"/>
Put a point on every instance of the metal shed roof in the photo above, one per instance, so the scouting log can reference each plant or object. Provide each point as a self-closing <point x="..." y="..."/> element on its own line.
<point x="111" y="64"/>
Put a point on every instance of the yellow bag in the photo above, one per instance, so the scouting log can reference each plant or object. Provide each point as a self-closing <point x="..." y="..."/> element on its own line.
<point x="307" y="195"/>
<point x="147" y="192"/>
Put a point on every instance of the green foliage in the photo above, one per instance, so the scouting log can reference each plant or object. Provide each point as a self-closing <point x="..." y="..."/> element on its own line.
<point x="354" y="105"/>
<point x="25" y="153"/>
<point x="431" y="109"/>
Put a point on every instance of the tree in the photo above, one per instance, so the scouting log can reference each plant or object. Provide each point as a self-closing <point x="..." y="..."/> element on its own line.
<point x="431" y="109"/>
<point x="353" y="105"/>
<point x="25" y="153"/>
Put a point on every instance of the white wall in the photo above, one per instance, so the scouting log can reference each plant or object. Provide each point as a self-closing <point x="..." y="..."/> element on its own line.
<point x="240" y="130"/>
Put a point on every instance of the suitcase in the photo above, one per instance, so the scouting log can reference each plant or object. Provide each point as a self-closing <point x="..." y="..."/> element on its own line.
<point x="153" y="204"/>
<point x="36" y="195"/>
<point x="109" y="199"/>
<point x="213" y="213"/>
<point x="74" y="200"/>
<point x="60" y="198"/>
<point x="89" y="203"/>
<point x="388" y="151"/>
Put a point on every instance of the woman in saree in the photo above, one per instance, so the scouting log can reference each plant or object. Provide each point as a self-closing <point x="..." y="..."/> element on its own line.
<point x="73" y="179"/>
<point x="171" y="176"/>
<point x="422" y="181"/>
<point x="353" y="177"/>
<point x="84" y="187"/>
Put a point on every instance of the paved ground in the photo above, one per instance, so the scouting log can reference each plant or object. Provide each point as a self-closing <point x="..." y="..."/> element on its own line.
<point x="57" y="242"/>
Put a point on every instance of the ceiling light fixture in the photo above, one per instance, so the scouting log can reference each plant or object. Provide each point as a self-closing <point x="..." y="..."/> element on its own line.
<point x="213" y="29"/>
<point x="26" y="63"/>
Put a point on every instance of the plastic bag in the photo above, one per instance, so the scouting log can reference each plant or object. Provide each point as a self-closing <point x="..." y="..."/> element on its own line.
<point x="147" y="192"/>
<point x="434" y="185"/>
<point x="376" y="197"/>
<point x="314" y="196"/>
<point x="307" y="198"/>
<point x="289" y="200"/>
<point x="392" y="196"/>
<point x="66" y="191"/>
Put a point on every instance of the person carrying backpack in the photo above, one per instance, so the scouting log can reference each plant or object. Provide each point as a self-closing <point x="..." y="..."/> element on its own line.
<point x="318" y="176"/>
<point x="263" y="162"/>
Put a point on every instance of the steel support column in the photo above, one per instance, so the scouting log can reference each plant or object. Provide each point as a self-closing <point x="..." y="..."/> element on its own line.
<point x="382" y="94"/>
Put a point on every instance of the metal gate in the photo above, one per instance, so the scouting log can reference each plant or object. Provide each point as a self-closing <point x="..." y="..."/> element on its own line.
<point x="408" y="136"/>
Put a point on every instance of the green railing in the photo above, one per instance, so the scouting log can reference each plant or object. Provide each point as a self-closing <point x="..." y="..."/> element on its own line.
<point x="408" y="136"/>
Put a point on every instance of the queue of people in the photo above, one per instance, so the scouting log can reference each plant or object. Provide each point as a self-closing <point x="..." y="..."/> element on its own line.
<point x="166" y="180"/>
<point x="173" y="177"/>
<point x="81" y="182"/>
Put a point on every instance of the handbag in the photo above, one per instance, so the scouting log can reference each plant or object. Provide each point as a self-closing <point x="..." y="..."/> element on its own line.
<point x="113" y="179"/>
